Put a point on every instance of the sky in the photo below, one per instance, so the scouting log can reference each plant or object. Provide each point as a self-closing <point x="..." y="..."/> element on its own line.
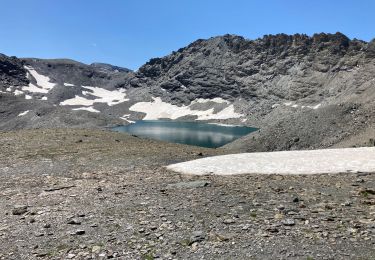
<point x="128" y="33"/>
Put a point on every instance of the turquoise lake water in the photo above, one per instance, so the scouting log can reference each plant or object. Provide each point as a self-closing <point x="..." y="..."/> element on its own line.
<point x="191" y="133"/>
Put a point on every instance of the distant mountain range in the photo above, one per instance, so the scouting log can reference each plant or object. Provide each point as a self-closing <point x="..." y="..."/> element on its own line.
<point x="302" y="92"/>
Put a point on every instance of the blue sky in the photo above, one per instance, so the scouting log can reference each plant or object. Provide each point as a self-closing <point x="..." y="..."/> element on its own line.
<point x="129" y="33"/>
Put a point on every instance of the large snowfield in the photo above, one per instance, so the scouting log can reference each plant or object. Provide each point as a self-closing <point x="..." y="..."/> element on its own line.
<point x="286" y="162"/>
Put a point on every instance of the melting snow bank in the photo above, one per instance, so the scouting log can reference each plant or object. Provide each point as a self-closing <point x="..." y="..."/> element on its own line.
<point x="43" y="82"/>
<point x="158" y="109"/>
<point x="111" y="97"/>
<point x="286" y="162"/>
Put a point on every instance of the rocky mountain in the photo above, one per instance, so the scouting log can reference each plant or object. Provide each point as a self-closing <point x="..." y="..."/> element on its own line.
<point x="302" y="92"/>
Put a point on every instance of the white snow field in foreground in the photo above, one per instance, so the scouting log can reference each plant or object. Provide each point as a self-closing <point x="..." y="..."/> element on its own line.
<point x="286" y="162"/>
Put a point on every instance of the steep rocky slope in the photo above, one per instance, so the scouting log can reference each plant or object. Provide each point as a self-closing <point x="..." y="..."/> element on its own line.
<point x="31" y="91"/>
<point x="302" y="92"/>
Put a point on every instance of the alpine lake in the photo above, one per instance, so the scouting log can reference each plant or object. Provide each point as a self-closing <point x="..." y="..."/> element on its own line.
<point x="191" y="133"/>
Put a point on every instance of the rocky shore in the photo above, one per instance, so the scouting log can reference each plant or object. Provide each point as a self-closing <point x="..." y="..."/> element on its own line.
<point x="88" y="194"/>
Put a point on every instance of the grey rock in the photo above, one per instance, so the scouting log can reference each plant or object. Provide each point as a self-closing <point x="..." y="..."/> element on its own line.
<point x="78" y="232"/>
<point x="197" y="236"/>
<point x="229" y="221"/>
<point x="74" y="221"/>
<point x="288" y="222"/>
<point x="19" y="209"/>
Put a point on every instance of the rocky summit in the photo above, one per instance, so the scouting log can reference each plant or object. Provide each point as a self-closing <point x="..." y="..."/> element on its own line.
<point x="302" y="92"/>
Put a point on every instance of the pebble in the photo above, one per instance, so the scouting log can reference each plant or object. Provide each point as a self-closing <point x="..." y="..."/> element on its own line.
<point x="197" y="236"/>
<point x="74" y="221"/>
<point x="47" y="225"/>
<point x="96" y="249"/>
<point x="288" y="222"/>
<point x="78" y="232"/>
<point x="229" y="221"/>
<point x="19" y="209"/>
<point x="153" y="227"/>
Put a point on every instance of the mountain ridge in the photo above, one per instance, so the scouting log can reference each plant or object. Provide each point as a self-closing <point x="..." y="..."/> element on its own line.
<point x="275" y="82"/>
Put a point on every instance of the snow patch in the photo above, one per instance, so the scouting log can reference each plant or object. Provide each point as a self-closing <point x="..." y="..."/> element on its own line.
<point x="69" y="85"/>
<point x="34" y="89"/>
<point x="315" y="107"/>
<point x="24" y="113"/>
<point x="90" y="109"/>
<point x="44" y="98"/>
<point x="216" y="100"/>
<point x="126" y="118"/>
<point x="18" y="92"/>
<point x="28" y="97"/>
<point x="42" y="81"/>
<point x="290" y="104"/>
<point x="113" y="97"/>
<point x="77" y="101"/>
<point x="158" y="109"/>
<point x="226" y="113"/>
<point x="286" y="162"/>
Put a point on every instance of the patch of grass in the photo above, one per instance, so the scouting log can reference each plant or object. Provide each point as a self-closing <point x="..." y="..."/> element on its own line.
<point x="253" y="214"/>
<point x="365" y="194"/>
<point x="186" y="242"/>
<point x="148" y="256"/>
<point x="62" y="247"/>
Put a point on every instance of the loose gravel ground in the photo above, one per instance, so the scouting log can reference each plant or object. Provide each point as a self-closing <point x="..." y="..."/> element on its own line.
<point x="85" y="194"/>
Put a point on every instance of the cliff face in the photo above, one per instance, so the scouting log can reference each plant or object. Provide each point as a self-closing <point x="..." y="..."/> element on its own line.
<point x="275" y="67"/>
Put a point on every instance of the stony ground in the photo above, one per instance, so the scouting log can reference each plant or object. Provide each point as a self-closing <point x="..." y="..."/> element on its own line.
<point x="84" y="194"/>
